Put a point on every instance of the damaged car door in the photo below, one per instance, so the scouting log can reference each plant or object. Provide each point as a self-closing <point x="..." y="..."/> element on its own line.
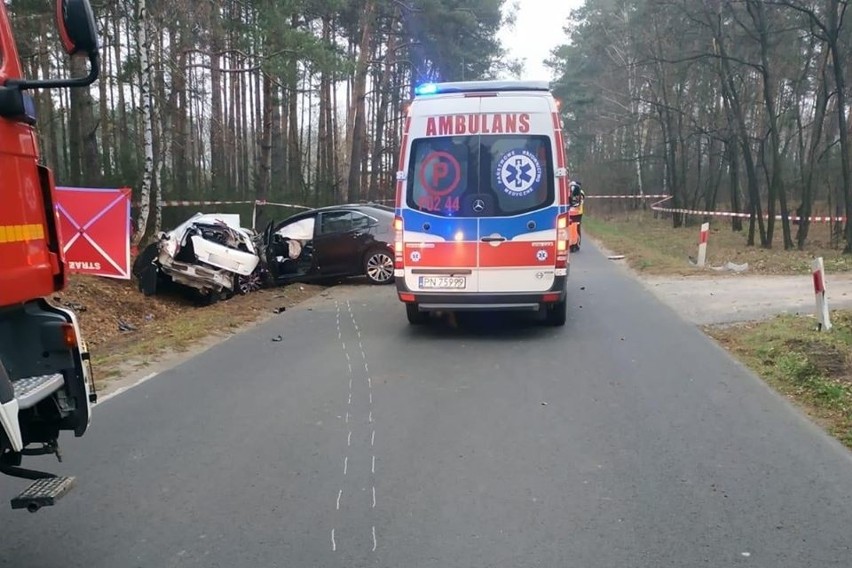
<point x="289" y="252"/>
<point x="340" y="242"/>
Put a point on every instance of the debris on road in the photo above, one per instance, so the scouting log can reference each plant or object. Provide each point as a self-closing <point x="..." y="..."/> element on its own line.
<point x="615" y="257"/>
<point x="732" y="267"/>
<point x="277" y="338"/>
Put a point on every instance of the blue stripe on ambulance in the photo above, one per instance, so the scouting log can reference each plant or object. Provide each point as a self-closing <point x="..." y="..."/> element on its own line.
<point x="444" y="227"/>
<point x="511" y="227"/>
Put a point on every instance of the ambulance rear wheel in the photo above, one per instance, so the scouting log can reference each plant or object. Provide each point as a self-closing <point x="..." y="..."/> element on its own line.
<point x="556" y="314"/>
<point x="415" y="316"/>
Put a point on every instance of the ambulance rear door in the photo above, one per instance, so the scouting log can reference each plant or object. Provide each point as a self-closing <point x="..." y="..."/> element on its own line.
<point x="516" y="203"/>
<point x="440" y="228"/>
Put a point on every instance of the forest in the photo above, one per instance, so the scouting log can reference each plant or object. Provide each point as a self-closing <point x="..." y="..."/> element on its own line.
<point x="281" y="100"/>
<point x="734" y="105"/>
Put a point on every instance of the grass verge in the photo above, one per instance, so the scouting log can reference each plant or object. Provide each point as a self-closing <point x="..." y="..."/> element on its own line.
<point x="126" y="330"/>
<point x="652" y="246"/>
<point x="812" y="368"/>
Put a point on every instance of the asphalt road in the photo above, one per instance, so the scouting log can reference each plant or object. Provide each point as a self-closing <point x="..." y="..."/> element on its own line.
<point x="625" y="439"/>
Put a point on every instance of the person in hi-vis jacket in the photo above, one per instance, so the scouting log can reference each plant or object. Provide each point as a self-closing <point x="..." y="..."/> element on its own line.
<point x="578" y="198"/>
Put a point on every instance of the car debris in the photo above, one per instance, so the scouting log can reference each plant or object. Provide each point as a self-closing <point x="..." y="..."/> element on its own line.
<point x="210" y="254"/>
<point x="731" y="267"/>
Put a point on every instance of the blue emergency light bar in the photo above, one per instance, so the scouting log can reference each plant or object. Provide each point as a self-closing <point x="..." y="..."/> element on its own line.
<point x="480" y="86"/>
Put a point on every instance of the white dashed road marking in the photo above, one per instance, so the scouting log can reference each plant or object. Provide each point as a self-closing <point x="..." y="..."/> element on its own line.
<point x="353" y="405"/>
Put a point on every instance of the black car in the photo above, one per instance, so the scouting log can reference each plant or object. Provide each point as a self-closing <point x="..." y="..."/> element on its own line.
<point x="331" y="242"/>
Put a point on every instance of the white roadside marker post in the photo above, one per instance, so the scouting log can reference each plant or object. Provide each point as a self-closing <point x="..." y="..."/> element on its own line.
<point x="823" y="319"/>
<point x="702" y="244"/>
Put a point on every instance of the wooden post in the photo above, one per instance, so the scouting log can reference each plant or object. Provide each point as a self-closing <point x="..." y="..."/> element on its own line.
<point x="702" y="244"/>
<point x="823" y="319"/>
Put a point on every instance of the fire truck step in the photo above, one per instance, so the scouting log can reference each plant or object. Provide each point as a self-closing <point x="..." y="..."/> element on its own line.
<point x="43" y="493"/>
<point x="32" y="390"/>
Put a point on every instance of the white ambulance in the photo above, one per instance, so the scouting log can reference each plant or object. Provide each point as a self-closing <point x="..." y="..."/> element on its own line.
<point x="482" y="201"/>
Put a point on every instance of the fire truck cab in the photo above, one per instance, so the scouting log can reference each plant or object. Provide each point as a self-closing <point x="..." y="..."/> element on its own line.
<point x="46" y="383"/>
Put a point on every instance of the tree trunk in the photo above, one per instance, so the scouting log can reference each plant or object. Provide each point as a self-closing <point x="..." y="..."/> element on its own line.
<point x="294" y="162"/>
<point x="147" y="121"/>
<point x="278" y="165"/>
<point x="353" y="186"/>
<point x="838" y="63"/>
<point x="218" y="165"/>
<point x="730" y="92"/>
<point x="734" y="168"/>
<point x="265" y="170"/>
<point x="379" y="143"/>
<point x="809" y="162"/>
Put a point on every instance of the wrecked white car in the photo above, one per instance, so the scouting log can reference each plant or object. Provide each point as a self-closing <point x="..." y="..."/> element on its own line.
<point x="208" y="253"/>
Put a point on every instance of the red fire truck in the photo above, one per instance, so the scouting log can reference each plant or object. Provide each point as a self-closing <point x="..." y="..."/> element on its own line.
<point x="46" y="382"/>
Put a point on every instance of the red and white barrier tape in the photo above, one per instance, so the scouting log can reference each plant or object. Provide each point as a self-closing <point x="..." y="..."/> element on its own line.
<point x="194" y="203"/>
<point x="730" y="214"/>
<point x="253" y="202"/>
<point x="291" y="205"/>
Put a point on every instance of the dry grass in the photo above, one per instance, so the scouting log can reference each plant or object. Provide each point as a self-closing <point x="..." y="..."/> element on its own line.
<point x="652" y="246"/>
<point x="814" y="369"/>
<point x="160" y="324"/>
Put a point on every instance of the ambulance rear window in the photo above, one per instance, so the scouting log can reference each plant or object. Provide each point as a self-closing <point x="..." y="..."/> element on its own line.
<point x="479" y="176"/>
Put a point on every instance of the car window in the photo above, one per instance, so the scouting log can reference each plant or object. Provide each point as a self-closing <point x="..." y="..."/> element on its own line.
<point x="510" y="174"/>
<point x="361" y="221"/>
<point x="301" y="230"/>
<point x="336" y="222"/>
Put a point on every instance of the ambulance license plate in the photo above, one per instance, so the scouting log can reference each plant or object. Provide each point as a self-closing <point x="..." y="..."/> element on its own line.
<point x="442" y="282"/>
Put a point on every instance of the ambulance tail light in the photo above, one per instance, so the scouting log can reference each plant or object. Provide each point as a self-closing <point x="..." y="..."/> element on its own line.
<point x="398" y="245"/>
<point x="562" y="241"/>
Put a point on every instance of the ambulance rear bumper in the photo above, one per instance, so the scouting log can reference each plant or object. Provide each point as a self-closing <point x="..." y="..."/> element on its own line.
<point x="483" y="301"/>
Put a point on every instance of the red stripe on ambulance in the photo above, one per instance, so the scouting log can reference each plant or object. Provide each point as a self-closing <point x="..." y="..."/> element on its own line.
<point x="511" y="254"/>
<point x="403" y="148"/>
<point x="453" y="254"/>
<point x="560" y="158"/>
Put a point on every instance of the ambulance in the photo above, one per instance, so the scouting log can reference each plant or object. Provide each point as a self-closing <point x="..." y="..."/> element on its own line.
<point x="482" y="201"/>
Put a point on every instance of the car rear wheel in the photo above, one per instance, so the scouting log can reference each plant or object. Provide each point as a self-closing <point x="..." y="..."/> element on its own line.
<point x="415" y="316"/>
<point x="378" y="266"/>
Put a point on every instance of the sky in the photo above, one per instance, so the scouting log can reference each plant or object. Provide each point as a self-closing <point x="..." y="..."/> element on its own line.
<point x="538" y="29"/>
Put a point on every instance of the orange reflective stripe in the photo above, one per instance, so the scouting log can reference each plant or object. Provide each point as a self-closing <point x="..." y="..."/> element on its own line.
<point x="21" y="233"/>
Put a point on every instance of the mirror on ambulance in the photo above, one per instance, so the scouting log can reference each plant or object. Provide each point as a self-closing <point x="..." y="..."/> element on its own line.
<point x="77" y="30"/>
